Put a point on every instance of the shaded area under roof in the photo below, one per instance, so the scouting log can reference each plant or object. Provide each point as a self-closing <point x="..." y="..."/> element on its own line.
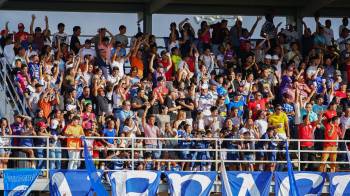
<point x="328" y="8"/>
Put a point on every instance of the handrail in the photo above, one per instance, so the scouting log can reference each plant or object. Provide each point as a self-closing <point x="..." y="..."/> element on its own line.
<point x="20" y="104"/>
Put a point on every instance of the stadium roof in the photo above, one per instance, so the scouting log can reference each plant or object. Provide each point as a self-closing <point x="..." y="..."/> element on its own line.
<point x="224" y="7"/>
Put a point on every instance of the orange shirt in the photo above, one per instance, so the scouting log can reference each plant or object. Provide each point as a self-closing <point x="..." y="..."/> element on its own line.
<point x="46" y="107"/>
<point x="136" y="62"/>
<point x="75" y="131"/>
<point x="331" y="136"/>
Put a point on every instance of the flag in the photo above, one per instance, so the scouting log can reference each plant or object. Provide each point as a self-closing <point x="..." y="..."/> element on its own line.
<point x="226" y="188"/>
<point x="292" y="183"/>
<point x="18" y="182"/>
<point x="95" y="179"/>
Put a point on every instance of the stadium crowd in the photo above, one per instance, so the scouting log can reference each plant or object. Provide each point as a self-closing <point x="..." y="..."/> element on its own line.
<point x="213" y="83"/>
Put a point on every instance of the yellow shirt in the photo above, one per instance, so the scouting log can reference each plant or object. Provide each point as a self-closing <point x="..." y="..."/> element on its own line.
<point x="75" y="131"/>
<point x="278" y="120"/>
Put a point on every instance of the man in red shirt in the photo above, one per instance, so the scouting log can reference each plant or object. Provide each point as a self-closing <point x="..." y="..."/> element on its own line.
<point x="332" y="132"/>
<point x="259" y="103"/>
<point x="21" y="35"/>
<point x="306" y="132"/>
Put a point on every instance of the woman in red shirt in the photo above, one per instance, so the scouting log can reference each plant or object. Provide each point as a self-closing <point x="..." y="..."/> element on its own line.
<point x="306" y="132"/>
<point x="332" y="132"/>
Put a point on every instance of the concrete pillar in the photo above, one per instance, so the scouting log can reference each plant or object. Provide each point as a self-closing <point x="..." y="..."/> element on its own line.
<point x="147" y="21"/>
<point x="297" y="20"/>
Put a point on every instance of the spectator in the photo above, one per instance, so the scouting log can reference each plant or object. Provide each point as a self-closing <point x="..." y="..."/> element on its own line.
<point x="332" y="132"/>
<point x="5" y="142"/>
<point x="74" y="131"/>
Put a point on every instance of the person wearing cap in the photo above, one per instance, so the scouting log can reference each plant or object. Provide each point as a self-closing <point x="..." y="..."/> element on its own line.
<point x="41" y="142"/>
<point x="74" y="132"/>
<point x="204" y="100"/>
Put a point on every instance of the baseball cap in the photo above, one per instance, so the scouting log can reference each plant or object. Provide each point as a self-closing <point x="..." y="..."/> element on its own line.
<point x="41" y="124"/>
<point x="20" y="25"/>
<point x="204" y="86"/>
<point x="275" y="57"/>
<point x="268" y="56"/>
<point x="38" y="85"/>
<point x="54" y="124"/>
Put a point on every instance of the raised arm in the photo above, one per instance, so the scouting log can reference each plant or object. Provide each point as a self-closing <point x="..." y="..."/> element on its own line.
<point x="151" y="63"/>
<point x="112" y="37"/>
<point x="258" y="18"/>
<point x="31" y="31"/>
<point x="145" y="114"/>
<point x="170" y="62"/>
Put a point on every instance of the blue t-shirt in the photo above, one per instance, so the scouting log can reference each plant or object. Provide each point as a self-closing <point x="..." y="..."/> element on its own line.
<point x="183" y="143"/>
<point x="239" y="104"/>
<point x="109" y="133"/>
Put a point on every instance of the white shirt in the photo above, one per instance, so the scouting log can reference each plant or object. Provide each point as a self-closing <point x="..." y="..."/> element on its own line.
<point x="329" y="35"/>
<point x="345" y="122"/>
<point x="261" y="125"/>
<point x="90" y="51"/>
<point x="120" y="65"/>
<point x="204" y="103"/>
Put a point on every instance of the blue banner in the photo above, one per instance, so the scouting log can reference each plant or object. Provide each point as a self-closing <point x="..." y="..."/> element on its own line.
<point x="18" y="182"/>
<point x="248" y="183"/>
<point x="292" y="184"/>
<point x="190" y="183"/>
<point x="70" y="182"/>
<point x="307" y="183"/>
<point x="134" y="182"/>
<point x="95" y="179"/>
<point x="339" y="183"/>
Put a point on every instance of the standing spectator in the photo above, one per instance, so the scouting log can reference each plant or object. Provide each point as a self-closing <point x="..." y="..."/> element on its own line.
<point x="328" y="33"/>
<point x="60" y="37"/>
<point x="332" y="132"/>
<point x="75" y="45"/>
<point x="279" y="121"/>
<point x="306" y="132"/>
<point x="121" y="37"/>
<point x="38" y="35"/>
<point x="150" y="130"/>
<point x="74" y="131"/>
<point x="5" y="142"/>
<point x="219" y="35"/>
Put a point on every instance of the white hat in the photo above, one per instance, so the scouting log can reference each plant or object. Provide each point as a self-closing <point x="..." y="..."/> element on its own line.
<point x="70" y="107"/>
<point x="205" y="86"/>
<point x="54" y="124"/>
<point x="268" y="56"/>
<point x="275" y="57"/>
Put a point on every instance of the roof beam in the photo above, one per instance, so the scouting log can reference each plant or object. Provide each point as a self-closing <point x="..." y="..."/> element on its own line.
<point x="2" y="2"/>
<point x="313" y="6"/>
<point x="72" y="6"/>
<point x="156" y="5"/>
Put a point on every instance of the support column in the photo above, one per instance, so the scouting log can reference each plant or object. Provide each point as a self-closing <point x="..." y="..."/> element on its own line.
<point x="296" y="19"/>
<point x="147" y="21"/>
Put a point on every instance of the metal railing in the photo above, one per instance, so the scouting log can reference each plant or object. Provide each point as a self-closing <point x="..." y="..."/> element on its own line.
<point x="215" y="159"/>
